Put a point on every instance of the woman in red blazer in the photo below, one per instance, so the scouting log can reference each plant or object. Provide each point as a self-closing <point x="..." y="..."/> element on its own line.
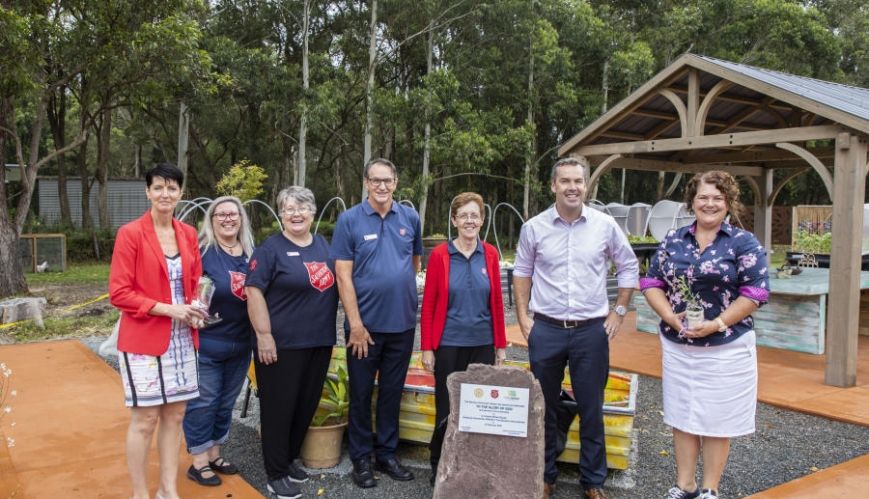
<point x="154" y="273"/>
<point x="462" y="320"/>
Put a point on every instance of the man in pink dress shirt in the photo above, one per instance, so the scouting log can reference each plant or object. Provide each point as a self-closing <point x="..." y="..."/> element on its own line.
<point x="562" y="263"/>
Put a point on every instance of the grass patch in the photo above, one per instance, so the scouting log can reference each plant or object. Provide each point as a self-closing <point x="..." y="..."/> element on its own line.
<point x="64" y="327"/>
<point x="79" y="273"/>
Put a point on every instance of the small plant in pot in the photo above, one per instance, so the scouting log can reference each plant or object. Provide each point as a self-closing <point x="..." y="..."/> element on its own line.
<point x="693" y="310"/>
<point x="322" y="445"/>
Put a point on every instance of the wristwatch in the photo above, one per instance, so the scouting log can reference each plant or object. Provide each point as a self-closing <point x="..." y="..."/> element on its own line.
<point x="722" y="326"/>
<point x="620" y="310"/>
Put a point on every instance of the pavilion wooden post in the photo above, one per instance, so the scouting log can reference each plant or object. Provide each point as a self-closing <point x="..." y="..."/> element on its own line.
<point x="843" y="307"/>
<point x="763" y="210"/>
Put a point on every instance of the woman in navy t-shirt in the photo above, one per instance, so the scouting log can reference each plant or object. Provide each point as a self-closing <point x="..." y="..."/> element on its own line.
<point x="224" y="348"/>
<point x="293" y="302"/>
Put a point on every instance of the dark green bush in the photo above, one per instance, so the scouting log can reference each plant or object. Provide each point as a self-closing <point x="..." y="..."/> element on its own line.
<point x="86" y="246"/>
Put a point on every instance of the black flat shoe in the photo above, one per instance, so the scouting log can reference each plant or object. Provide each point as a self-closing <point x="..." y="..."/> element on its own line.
<point x="362" y="475"/>
<point x="223" y="466"/>
<point x="196" y="475"/>
<point x="394" y="469"/>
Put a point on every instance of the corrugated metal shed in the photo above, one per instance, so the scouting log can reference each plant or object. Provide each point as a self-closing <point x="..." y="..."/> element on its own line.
<point x="126" y="199"/>
<point x="852" y="100"/>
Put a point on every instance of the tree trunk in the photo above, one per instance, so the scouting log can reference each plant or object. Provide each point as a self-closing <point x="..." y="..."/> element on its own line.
<point x="12" y="278"/>
<point x="426" y="148"/>
<point x="369" y="88"/>
<point x="529" y="121"/>
<point x="303" y="119"/>
<point x="57" y="122"/>
<point x="102" y="174"/>
<point x="659" y="188"/>
<point x="183" y="137"/>
<point x="84" y="177"/>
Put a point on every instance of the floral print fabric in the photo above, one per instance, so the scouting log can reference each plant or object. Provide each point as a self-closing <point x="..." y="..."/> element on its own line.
<point x="733" y="265"/>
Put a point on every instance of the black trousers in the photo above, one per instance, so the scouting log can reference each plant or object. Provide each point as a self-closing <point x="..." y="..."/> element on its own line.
<point x="289" y="392"/>
<point x="447" y="361"/>
<point x="387" y="361"/>
<point x="585" y="349"/>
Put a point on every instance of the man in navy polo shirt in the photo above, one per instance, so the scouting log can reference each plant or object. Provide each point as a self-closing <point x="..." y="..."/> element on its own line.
<point x="377" y="247"/>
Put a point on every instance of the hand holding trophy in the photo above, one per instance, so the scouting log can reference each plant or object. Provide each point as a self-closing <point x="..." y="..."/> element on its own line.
<point x="204" y="292"/>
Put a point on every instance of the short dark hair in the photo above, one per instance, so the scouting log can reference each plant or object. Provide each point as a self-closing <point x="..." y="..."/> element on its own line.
<point x="570" y="161"/>
<point x="166" y="171"/>
<point x="380" y="161"/>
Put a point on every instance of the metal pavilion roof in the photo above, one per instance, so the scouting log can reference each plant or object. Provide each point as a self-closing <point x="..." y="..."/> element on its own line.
<point x="757" y="99"/>
<point x="848" y="99"/>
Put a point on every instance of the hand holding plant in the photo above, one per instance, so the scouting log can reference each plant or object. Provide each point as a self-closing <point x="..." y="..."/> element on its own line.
<point x="693" y="309"/>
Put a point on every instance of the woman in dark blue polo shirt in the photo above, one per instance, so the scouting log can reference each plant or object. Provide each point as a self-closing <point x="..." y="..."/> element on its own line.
<point x="293" y="302"/>
<point x="224" y="348"/>
<point x="462" y="318"/>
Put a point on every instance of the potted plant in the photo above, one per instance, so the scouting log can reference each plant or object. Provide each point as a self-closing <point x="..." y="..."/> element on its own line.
<point x="322" y="445"/>
<point x="693" y="310"/>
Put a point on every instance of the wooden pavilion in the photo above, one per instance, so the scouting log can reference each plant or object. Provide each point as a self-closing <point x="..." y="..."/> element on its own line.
<point x="702" y="113"/>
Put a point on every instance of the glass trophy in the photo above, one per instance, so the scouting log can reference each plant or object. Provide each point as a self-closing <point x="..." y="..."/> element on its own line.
<point x="204" y="293"/>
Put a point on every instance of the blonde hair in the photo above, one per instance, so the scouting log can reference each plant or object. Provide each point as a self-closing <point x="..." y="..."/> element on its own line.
<point x="207" y="240"/>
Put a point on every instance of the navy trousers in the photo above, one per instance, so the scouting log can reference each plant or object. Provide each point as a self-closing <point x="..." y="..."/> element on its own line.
<point x="389" y="356"/>
<point x="585" y="349"/>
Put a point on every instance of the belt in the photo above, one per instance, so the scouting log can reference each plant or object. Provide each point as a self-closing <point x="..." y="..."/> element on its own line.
<point x="564" y="323"/>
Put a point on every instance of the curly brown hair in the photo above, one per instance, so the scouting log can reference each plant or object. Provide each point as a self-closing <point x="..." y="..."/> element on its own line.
<point x="721" y="180"/>
<point x="465" y="198"/>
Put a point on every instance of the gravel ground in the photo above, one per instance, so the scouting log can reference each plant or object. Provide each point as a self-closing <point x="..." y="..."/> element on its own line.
<point x="787" y="445"/>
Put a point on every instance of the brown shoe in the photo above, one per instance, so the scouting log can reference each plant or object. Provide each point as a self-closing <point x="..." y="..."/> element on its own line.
<point x="548" y="490"/>
<point x="596" y="493"/>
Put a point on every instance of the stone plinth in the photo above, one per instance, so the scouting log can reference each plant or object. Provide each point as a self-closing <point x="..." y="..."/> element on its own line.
<point x="21" y="309"/>
<point x="486" y="466"/>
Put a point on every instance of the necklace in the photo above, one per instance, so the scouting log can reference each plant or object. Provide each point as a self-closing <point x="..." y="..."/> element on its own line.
<point x="237" y="242"/>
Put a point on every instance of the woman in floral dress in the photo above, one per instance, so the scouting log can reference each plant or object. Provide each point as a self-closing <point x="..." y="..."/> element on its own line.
<point x="710" y="369"/>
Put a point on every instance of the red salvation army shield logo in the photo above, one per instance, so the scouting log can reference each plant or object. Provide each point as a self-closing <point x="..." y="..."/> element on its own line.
<point x="320" y="276"/>
<point x="236" y="284"/>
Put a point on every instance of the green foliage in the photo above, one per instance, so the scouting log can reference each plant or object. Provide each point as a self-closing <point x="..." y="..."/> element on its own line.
<point x="244" y="180"/>
<point x="810" y="242"/>
<point x="335" y="401"/>
<point x="80" y="245"/>
<point x="683" y="286"/>
<point x="641" y="239"/>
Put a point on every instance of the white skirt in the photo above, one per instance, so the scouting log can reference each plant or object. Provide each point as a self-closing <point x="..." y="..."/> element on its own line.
<point x="711" y="391"/>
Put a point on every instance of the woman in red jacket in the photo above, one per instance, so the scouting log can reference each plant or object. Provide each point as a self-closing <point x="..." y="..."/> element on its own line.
<point x="154" y="272"/>
<point x="462" y="319"/>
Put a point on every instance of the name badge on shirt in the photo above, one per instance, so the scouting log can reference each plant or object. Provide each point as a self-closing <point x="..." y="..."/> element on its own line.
<point x="369" y="237"/>
<point x="292" y="253"/>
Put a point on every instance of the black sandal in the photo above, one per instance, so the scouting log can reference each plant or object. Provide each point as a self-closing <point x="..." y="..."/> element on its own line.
<point x="223" y="466"/>
<point x="196" y="475"/>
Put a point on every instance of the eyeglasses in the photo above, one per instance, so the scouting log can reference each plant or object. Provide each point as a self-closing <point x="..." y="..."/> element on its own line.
<point x="464" y="217"/>
<point x="304" y="210"/>
<point x="225" y="216"/>
<point x="713" y="199"/>
<point x="381" y="181"/>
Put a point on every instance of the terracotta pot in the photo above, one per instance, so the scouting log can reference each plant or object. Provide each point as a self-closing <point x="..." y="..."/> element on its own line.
<point x="322" y="446"/>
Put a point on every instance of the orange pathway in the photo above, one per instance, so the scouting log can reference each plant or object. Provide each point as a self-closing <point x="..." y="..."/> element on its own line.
<point x="70" y="424"/>
<point x="786" y="379"/>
